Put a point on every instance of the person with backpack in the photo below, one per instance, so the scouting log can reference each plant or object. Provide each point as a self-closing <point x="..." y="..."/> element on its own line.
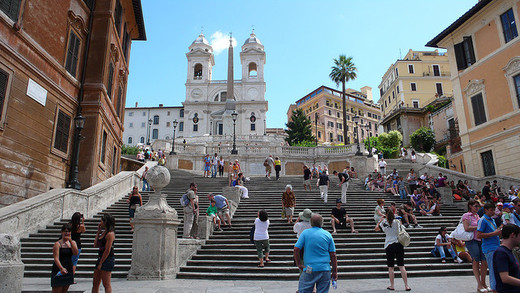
<point x="190" y="204"/>
<point x="344" y="178"/>
<point x="267" y="164"/>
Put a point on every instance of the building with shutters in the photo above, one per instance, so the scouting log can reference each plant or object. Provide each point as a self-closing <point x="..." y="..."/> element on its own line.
<point x="59" y="59"/>
<point x="323" y="107"/>
<point x="408" y="86"/>
<point x="484" y="50"/>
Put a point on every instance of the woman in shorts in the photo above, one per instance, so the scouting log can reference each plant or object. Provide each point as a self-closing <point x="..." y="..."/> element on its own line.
<point x="105" y="237"/>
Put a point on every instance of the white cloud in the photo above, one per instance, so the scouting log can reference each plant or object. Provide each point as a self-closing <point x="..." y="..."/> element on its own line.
<point x="220" y="42"/>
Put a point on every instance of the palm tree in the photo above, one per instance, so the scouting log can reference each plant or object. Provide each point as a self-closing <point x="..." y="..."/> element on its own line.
<point x="343" y="71"/>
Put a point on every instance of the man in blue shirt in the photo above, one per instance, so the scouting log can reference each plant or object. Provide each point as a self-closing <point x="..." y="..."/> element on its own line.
<point x="488" y="231"/>
<point x="222" y="205"/>
<point x="319" y="252"/>
<point x="505" y="265"/>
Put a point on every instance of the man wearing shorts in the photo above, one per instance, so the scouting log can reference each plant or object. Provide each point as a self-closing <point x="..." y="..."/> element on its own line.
<point x="340" y="218"/>
<point x="307" y="176"/>
<point x="267" y="164"/>
<point x="222" y="205"/>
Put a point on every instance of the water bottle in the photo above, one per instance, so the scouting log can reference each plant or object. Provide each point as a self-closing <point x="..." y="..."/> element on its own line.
<point x="334" y="284"/>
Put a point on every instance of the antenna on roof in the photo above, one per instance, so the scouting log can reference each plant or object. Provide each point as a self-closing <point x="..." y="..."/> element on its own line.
<point x="400" y="57"/>
<point x="253" y="28"/>
<point x="201" y="30"/>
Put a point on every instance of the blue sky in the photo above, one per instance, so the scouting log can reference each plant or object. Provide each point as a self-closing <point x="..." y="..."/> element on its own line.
<point x="301" y="39"/>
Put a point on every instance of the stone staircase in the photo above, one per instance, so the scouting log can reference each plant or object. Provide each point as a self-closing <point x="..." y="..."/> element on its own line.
<point x="37" y="248"/>
<point x="230" y="255"/>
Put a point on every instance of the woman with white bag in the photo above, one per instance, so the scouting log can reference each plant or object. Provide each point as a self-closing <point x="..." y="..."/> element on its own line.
<point x="470" y="221"/>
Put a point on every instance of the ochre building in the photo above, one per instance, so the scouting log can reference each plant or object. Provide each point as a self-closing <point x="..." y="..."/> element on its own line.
<point x="323" y="105"/>
<point x="484" y="50"/>
<point x="58" y="58"/>
<point x="408" y="86"/>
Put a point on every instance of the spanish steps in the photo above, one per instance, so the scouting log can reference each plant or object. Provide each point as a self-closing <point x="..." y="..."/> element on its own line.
<point x="230" y="255"/>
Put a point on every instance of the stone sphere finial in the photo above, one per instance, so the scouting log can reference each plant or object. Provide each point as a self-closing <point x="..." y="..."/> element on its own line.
<point x="158" y="177"/>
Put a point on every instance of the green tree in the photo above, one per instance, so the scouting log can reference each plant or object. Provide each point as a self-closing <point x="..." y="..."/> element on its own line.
<point x="343" y="71"/>
<point x="129" y="150"/>
<point x="423" y="139"/>
<point x="391" y="139"/>
<point x="299" y="129"/>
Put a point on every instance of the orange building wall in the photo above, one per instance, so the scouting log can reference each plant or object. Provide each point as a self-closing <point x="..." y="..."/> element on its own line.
<point x="487" y="40"/>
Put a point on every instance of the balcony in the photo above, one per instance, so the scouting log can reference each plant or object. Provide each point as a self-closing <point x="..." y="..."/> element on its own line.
<point x="431" y="74"/>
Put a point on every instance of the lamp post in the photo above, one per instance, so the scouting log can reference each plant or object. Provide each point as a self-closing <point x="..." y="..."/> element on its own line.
<point x="79" y="123"/>
<point x="316" y="122"/>
<point x="368" y="140"/>
<point x="356" y="120"/>
<point x="149" y="128"/>
<point x="234" y="151"/>
<point x="173" y="139"/>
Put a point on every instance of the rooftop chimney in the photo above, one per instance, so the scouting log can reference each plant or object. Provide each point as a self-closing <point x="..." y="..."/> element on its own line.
<point x="160" y="105"/>
<point x="367" y="91"/>
<point x="136" y="103"/>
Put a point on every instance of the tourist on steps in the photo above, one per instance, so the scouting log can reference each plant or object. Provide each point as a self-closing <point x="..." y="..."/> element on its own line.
<point x="480" y="266"/>
<point x="307" y="176"/>
<point x="267" y="164"/>
<point x="105" y="237"/>
<point x="146" y="186"/>
<point x="340" y="218"/>
<point x="62" y="275"/>
<point x="239" y="182"/>
<point x="78" y="227"/>
<point x="319" y="255"/>
<point x="344" y="178"/>
<point x="134" y="200"/>
<point x="302" y="222"/>
<point x="261" y="237"/>
<point x="288" y="203"/>
<point x="394" y="249"/>
<point x="505" y="265"/>
<point x="277" y="167"/>
<point x="191" y="213"/>
<point x="323" y="185"/>
<point x="443" y="244"/>
<point x="223" y="206"/>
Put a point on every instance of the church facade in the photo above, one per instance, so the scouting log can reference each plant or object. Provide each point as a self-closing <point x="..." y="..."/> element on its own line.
<point x="210" y="103"/>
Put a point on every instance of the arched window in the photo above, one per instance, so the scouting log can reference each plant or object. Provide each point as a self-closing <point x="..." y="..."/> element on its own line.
<point x="220" y="97"/>
<point x="130" y="140"/>
<point x="197" y="73"/>
<point x="252" y="70"/>
<point x="141" y="140"/>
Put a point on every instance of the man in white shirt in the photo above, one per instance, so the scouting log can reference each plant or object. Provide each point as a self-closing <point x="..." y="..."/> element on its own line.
<point x="382" y="166"/>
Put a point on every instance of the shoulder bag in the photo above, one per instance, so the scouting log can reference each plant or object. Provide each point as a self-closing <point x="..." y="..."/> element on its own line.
<point x="403" y="237"/>
<point x="461" y="234"/>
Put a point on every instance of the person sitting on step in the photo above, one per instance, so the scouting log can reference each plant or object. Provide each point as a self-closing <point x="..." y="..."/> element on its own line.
<point x="406" y="214"/>
<point x="239" y="182"/>
<point x="212" y="213"/>
<point x="339" y="217"/>
<point x="443" y="244"/>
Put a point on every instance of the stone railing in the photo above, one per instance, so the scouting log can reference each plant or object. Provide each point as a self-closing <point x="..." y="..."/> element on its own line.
<point x="35" y="213"/>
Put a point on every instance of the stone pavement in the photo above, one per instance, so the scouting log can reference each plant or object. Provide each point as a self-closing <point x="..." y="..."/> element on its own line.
<point x="460" y="284"/>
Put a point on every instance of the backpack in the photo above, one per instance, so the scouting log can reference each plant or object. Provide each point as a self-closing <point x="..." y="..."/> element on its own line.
<point x="346" y="176"/>
<point x="266" y="163"/>
<point x="252" y="235"/>
<point x="185" y="201"/>
<point x="234" y="183"/>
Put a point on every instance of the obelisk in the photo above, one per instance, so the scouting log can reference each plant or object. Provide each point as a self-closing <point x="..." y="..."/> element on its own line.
<point x="230" y="96"/>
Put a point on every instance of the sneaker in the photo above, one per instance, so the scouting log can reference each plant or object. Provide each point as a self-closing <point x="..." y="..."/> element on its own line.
<point x="406" y="225"/>
<point x="418" y="226"/>
<point x="219" y="230"/>
<point x="459" y="260"/>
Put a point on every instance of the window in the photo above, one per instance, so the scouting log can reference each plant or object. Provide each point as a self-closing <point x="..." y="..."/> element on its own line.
<point x="130" y="140"/>
<point x="331" y="136"/>
<point x="411" y="69"/>
<point x="4" y="79"/>
<point x="436" y="70"/>
<point x="126" y="43"/>
<point x="253" y="73"/>
<point x="131" y="125"/>
<point x="130" y="114"/>
<point x="61" y="138"/>
<point x="197" y="73"/>
<point x="336" y="105"/>
<point x="11" y="8"/>
<point x="487" y="163"/>
<point x="396" y="72"/>
<point x="156" y="120"/>
<point x="413" y="86"/>
<point x="155" y="134"/>
<point x="319" y="134"/>
<point x="397" y="89"/>
<point x="517" y="86"/>
<point x="181" y="126"/>
<point x="103" y="147"/>
<point x="253" y="127"/>
<point x="509" y="25"/>
<point x="415" y="103"/>
<point x="337" y="114"/>
<point x="464" y="53"/>
<point x="118" y="102"/>
<point x="144" y="113"/>
<point x="110" y="80"/>
<point x="71" y="62"/>
<point x="114" y="160"/>
<point x="339" y="126"/>
<point x="393" y="96"/>
<point x="143" y="124"/>
<point x="168" y="114"/>
<point x="479" y="113"/>
<point x="340" y="138"/>
<point x="195" y="127"/>
<point x="438" y="87"/>
<point x="118" y="13"/>
<point x="181" y="113"/>
<point x="168" y="124"/>
<point x="141" y="140"/>
<point x="330" y="112"/>
<point x="398" y="122"/>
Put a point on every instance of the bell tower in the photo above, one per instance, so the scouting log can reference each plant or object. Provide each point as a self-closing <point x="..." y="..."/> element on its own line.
<point x="200" y="61"/>
<point x="252" y="59"/>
